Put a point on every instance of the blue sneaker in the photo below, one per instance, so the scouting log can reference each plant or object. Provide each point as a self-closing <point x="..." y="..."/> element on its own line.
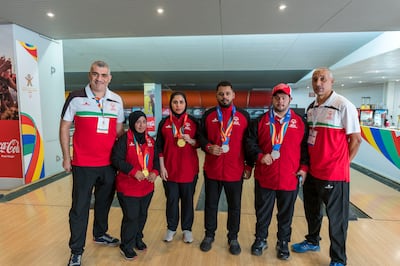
<point x="304" y="247"/>
<point x="336" y="264"/>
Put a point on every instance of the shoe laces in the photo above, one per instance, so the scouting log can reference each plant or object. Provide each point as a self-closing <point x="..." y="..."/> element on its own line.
<point x="75" y="259"/>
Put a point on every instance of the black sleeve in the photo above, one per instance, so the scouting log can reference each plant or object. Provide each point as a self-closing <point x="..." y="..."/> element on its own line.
<point x="159" y="146"/>
<point x="197" y="122"/>
<point x="203" y="140"/>
<point x="252" y="148"/>
<point x="156" y="161"/>
<point x="118" y="155"/>
<point x="304" y="156"/>
<point x="249" y="161"/>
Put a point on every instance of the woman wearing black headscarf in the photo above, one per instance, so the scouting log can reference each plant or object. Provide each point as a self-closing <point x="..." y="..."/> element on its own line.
<point x="179" y="165"/>
<point x="137" y="163"/>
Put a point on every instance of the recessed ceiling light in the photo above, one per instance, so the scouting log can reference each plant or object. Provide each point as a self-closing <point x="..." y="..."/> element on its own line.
<point x="160" y="10"/>
<point x="342" y="85"/>
<point x="359" y="81"/>
<point x="282" y="7"/>
<point x="50" y="14"/>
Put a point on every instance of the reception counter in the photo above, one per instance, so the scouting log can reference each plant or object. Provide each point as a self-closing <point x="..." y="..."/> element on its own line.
<point x="380" y="151"/>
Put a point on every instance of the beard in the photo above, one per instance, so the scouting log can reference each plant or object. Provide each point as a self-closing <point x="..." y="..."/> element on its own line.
<point x="225" y="103"/>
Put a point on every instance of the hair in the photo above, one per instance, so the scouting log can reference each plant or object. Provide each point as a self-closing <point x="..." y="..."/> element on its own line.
<point x="175" y="94"/>
<point x="224" y="83"/>
<point x="324" y="69"/>
<point x="100" y="63"/>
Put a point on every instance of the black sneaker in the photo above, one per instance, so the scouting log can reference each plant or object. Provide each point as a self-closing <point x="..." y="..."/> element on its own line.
<point x="258" y="246"/>
<point x="75" y="260"/>
<point x="282" y="250"/>
<point x="107" y="240"/>
<point x="234" y="247"/>
<point x="127" y="254"/>
<point x="206" y="244"/>
<point x="140" y="245"/>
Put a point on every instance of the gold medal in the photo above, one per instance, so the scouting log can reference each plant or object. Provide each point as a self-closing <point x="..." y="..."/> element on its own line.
<point x="145" y="172"/>
<point x="181" y="143"/>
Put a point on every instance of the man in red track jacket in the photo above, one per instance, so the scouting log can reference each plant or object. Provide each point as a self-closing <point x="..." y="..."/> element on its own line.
<point x="222" y="133"/>
<point x="277" y="144"/>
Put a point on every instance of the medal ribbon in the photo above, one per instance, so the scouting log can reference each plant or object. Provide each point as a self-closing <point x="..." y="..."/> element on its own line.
<point x="277" y="137"/>
<point x="143" y="158"/>
<point x="225" y="134"/>
<point x="99" y="104"/>
<point x="178" y="133"/>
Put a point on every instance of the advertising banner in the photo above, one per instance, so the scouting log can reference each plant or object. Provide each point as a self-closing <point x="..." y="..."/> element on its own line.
<point x="30" y="111"/>
<point x="10" y="150"/>
<point x="149" y="106"/>
<point x="10" y="143"/>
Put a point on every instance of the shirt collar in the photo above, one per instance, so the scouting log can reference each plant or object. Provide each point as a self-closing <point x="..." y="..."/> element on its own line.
<point x="90" y="94"/>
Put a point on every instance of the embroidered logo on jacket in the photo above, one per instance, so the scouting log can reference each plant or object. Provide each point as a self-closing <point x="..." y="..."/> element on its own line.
<point x="149" y="143"/>
<point x="293" y="123"/>
<point x="236" y="121"/>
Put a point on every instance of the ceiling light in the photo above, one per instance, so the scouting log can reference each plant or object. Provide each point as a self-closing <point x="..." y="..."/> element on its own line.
<point x="50" y="14"/>
<point x="160" y="10"/>
<point x="342" y="85"/>
<point x="282" y="7"/>
<point x="360" y="81"/>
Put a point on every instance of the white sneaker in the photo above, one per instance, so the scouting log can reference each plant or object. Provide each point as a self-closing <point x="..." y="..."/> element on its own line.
<point x="187" y="236"/>
<point x="169" y="235"/>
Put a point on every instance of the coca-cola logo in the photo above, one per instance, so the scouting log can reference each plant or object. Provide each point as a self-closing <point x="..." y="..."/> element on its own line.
<point x="10" y="147"/>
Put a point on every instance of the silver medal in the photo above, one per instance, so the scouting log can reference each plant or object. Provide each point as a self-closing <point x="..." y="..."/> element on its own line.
<point x="225" y="148"/>
<point x="275" y="154"/>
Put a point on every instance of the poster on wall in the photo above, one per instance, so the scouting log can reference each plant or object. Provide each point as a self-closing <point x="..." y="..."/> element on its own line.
<point x="30" y="111"/>
<point x="149" y="106"/>
<point x="10" y="143"/>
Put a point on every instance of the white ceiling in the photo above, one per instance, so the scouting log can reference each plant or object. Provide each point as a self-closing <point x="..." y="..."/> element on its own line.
<point x="196" y="43"/>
